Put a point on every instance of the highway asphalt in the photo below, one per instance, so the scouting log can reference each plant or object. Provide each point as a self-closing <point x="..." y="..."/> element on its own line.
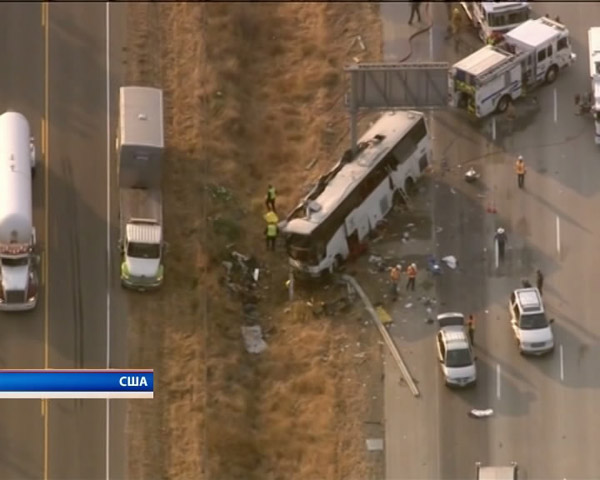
<point x="55" y="72"/>
<point x="544" y="408"/>
<point x="22" y="334"/>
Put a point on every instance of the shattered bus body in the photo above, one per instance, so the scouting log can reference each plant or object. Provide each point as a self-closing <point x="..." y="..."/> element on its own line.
<point x="348" y="202"/>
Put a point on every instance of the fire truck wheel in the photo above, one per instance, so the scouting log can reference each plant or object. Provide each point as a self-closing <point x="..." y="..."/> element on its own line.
<point x="503" y="104"/>
<point x="551" y="74"/>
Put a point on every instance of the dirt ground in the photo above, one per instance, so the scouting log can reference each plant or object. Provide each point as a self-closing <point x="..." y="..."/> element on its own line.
<point x="253" y="95"/>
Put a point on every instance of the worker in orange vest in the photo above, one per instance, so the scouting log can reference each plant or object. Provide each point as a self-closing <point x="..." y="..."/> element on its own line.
<point x="520" y="169"/>
<point x="395" y="279"/>
<point x="411" y="271"/>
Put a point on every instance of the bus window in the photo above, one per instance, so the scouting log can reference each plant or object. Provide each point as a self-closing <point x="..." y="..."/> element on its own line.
<point x="418" y="132"/>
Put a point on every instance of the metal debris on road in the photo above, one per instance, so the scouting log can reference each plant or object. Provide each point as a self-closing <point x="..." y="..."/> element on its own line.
<point x="383" y="315"/>
<point x="374" y="444"/>
<point x="450" y="261"/>
<point x="408" y="305"/>
<point x="481" y="413"/>
<point x="253" y="339"/>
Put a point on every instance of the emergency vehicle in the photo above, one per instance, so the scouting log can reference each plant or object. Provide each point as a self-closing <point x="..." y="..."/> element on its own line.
<point x="491" y="78"/>
<point x="493" y="19"/>
<point x="594" y="47"/>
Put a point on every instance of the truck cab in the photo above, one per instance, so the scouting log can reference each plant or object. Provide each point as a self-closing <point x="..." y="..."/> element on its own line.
<point x="141" y="266"/>
<point x="546" y="49"/>
<point x="594" y="51"/>
<point x="494" y="19"/>
<point x="18" y="261"/>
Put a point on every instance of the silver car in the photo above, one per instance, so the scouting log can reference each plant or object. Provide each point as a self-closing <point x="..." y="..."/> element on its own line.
<point x="454" y="351"/>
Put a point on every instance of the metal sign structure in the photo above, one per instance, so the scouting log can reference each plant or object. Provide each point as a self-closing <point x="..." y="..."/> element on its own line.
<point x="376" y="86"/>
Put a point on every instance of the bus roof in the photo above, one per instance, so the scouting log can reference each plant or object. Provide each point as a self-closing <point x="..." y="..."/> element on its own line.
<point x="392" y="126"/>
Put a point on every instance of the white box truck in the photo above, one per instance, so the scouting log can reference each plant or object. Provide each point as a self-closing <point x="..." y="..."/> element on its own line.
<point x="594" y="48"/>
<point x="18" y="260"/>
<point x="140" y="145"/>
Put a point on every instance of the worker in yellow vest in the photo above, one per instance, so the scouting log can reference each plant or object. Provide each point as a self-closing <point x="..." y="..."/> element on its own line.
<point x="270" y="199"/>
<point x="271" y="233"/>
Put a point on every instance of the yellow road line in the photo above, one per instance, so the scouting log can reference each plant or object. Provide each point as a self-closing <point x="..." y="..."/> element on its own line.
<point x="46" y="154"/>
<point x="43" y="134"/>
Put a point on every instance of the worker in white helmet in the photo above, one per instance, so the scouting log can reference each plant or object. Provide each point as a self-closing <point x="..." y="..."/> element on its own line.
<point x="500" y="239"/>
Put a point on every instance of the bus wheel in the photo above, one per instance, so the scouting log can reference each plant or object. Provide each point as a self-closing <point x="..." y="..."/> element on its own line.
<point x="551" y="74"/>
<point x="503" y="104"/>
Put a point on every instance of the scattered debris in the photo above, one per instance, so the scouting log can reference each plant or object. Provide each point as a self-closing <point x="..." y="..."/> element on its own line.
<point x="374" y="444"/>
<point x="471" y="175"/>
<point x="378" y="262"/>
<point x="434" y="266"/>
<point x="253" y="339"/>
<point x="450" y="261"/>
<point x="219" y="193"/>
<point x="312" y="163"/>
<point x="476" y="413"/>
<point x="383" y="315"/>
<point x="438" y="229"/>
<point x="408" y="305"/>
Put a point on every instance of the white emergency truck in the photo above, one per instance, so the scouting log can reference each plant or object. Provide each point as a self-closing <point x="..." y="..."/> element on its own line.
<point x="491" y="78"/>
<point x="594" y="47"/>
<point x="18" y="261"/>
<point x="493" y="19"/>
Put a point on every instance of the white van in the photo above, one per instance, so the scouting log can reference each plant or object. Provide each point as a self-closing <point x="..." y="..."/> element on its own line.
<point x="529" y="323"/>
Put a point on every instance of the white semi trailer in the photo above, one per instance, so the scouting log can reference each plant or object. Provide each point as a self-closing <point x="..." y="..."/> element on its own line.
<point x="140" y="144"/>
<point x="18" y="260"/>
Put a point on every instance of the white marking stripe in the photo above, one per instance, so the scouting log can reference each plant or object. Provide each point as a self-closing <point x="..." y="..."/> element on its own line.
<point x="558" y="234"/>
<point x="562" y="365"/>
<point x="498" y="380"/>
<point x="555" y="107"/>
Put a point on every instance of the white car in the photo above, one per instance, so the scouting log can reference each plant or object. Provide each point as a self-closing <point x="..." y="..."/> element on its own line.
<point x="497" y="473"/>
<point x="454" y="351"/>
<point x="530" y="325"/>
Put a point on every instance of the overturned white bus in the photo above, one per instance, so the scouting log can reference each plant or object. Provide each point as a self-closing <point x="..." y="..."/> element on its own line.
<point x="348" y="202"/>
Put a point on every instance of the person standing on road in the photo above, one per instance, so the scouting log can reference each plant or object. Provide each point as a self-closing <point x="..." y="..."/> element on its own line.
<point x="415" y="8"/>
<point x="270" y="198"/>
<point x="500" y="239"/>
<point x="271" y="233"/>
<point x="539" y="281"/>
<point x="521" y="171"/>
<point x="471" y="327"/>
<point x="456" y="24"/>
<point x="395" y="279"/>
<point x="411" y="271"/>
<point x="511" y="115"/>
